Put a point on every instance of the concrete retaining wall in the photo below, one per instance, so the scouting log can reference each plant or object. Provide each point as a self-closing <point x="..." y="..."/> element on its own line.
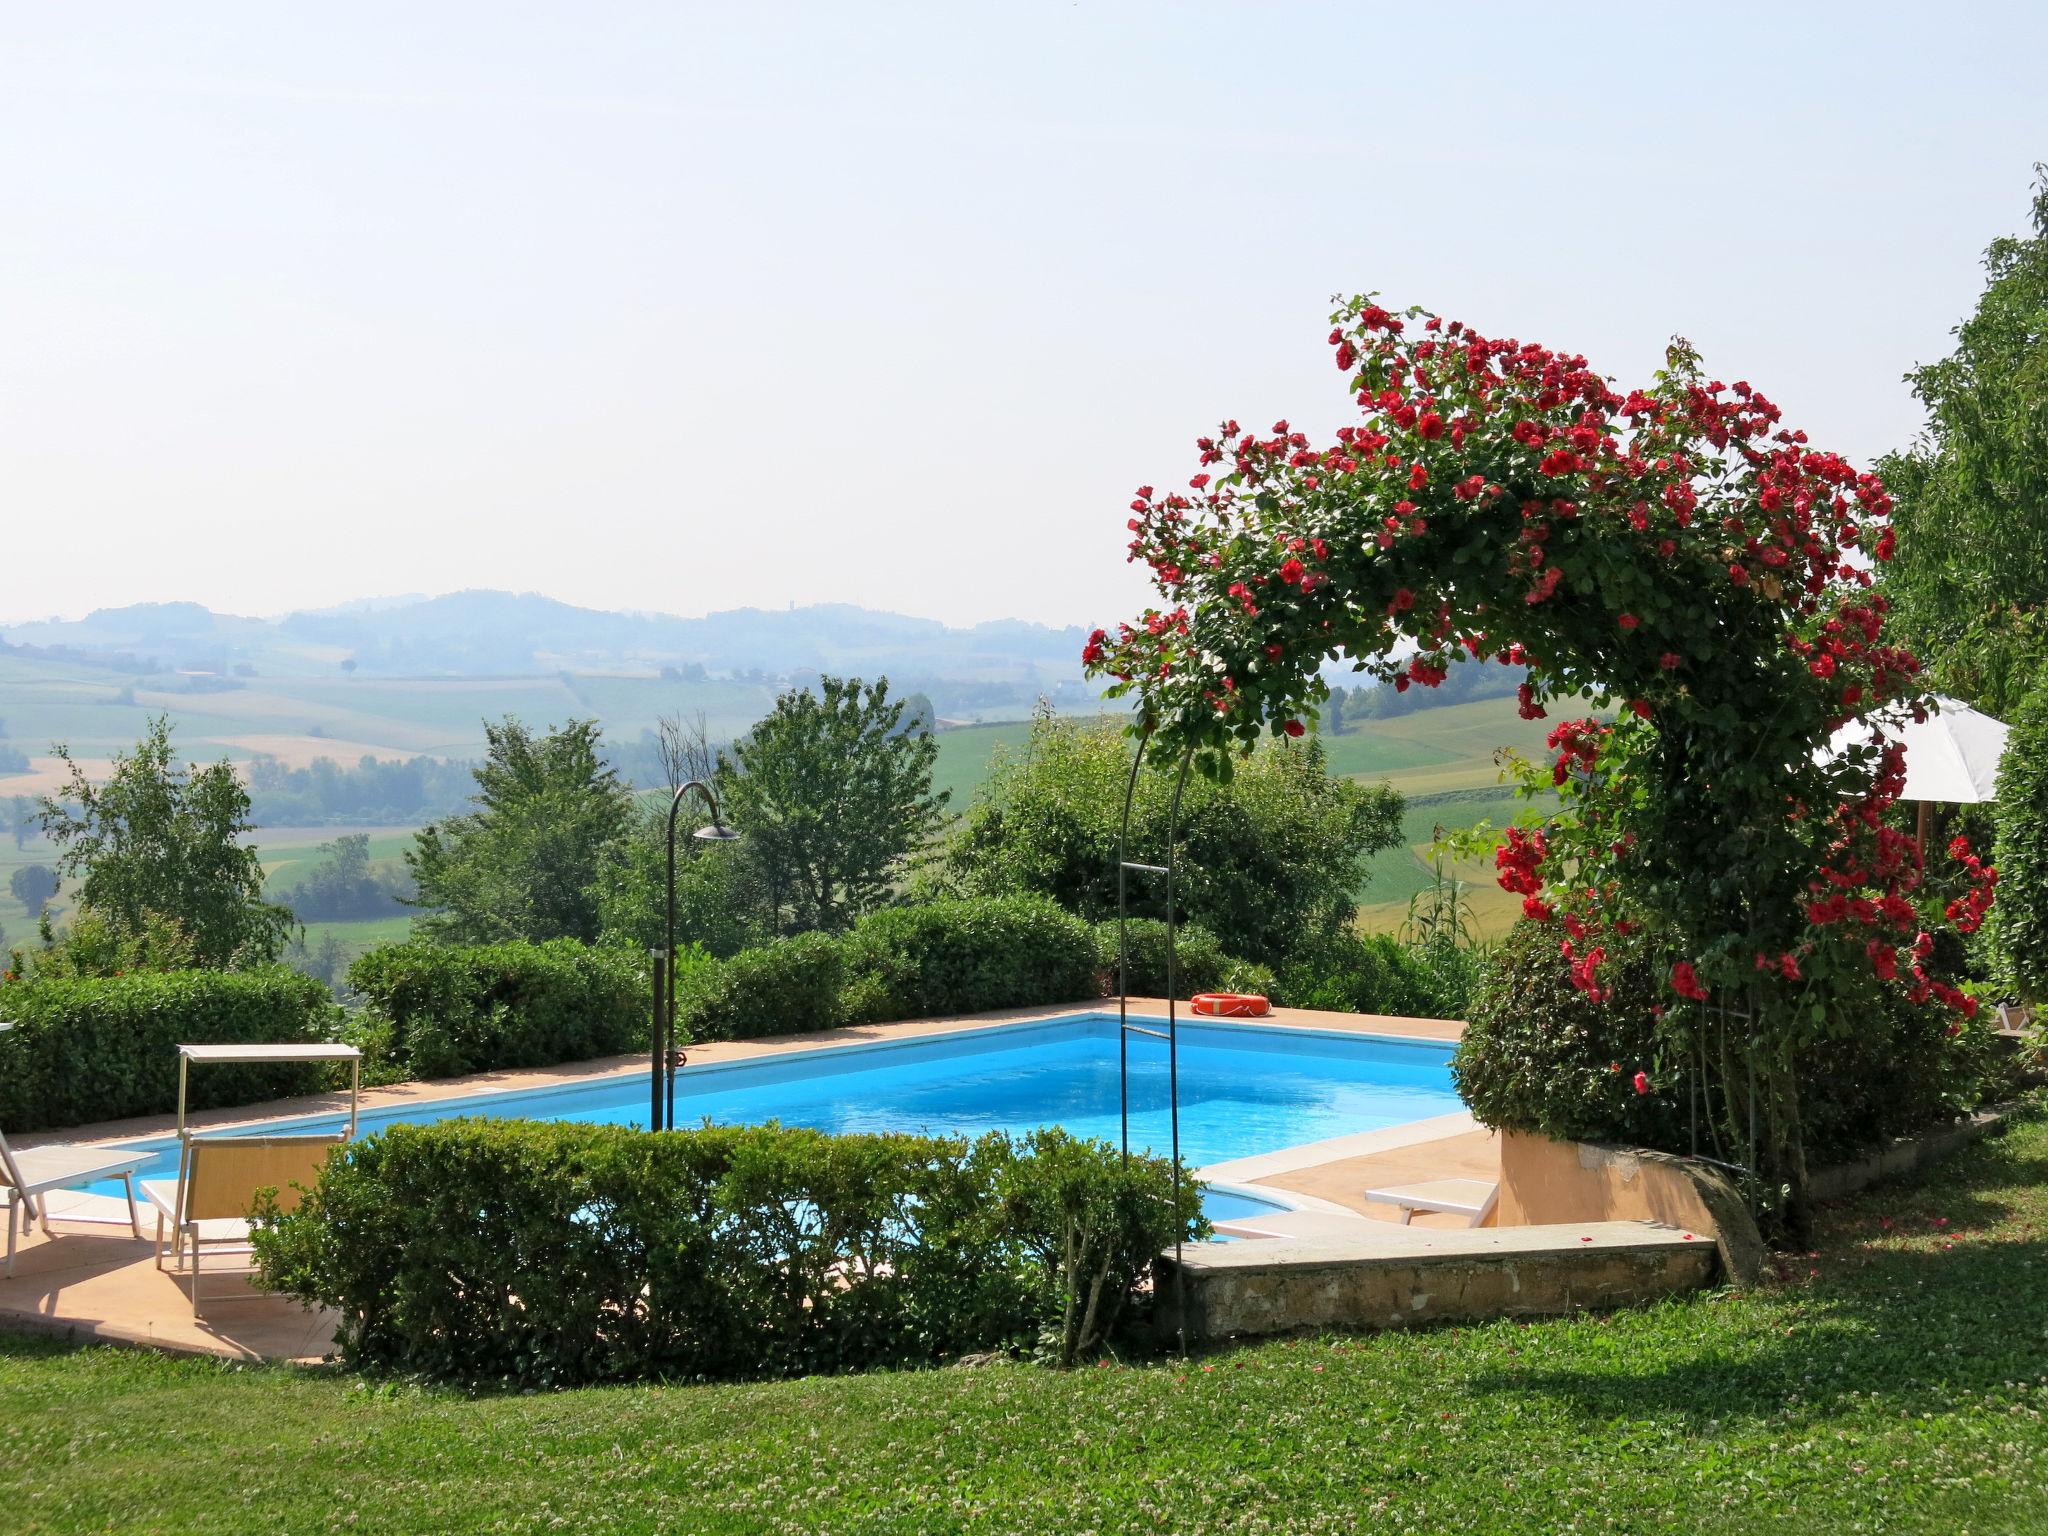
<point x="1404" y="1276"/>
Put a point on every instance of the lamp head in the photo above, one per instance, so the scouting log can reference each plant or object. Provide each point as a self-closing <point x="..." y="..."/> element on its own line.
<point x="716" y="833"/>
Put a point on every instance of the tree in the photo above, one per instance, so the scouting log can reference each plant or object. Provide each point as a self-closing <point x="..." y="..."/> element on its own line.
<point x="2019" y="923"/>
<point x="158" y="841"/>
<point x="34" y="886"/>
<point x="1266" y="862"/>
<point x="343" y="886"/>
<point x="1969" y="583"/>
<point x="24" y="814"/>
<point x="721" y="903"/>
<point x="833" y="797"/>
<point x="525" y="863"/>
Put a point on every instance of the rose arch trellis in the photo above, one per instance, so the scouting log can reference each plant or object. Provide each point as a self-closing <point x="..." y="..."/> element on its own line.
<point x="1674" y="550"/>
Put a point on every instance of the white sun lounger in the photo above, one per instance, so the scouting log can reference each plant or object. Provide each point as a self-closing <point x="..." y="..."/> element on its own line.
<point x="32" y="1174"/>
<point x="1473" y="1199"/>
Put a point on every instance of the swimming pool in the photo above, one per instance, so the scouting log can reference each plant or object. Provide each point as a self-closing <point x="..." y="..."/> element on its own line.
<point x="1244" y="1089"/>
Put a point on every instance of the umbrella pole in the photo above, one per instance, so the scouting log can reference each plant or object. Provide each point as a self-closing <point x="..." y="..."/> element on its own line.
<point x="1922" y="834"/>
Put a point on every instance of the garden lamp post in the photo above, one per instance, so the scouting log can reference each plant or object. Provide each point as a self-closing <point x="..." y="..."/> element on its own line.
<point x="666" y="1057"/>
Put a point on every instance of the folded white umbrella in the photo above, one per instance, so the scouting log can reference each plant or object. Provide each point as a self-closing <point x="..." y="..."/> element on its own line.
<point x="1952" y="756"/>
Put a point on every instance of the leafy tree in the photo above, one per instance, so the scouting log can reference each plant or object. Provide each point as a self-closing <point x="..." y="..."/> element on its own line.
<point x="34" y="886"/>
<point x="525" y="863"/>
<point x="344" y="886"/>
<point x="1969" y="581"/>
<point x="1266" y="861"/>
<point x="721" y="903"/>
<point x="158" y="839"/>
<point x="24" y="814"/>
<point x="833" y="795"/>
<point x="2019" y="920"/>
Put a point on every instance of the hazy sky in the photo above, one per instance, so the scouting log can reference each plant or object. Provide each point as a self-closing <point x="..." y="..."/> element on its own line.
<point x="690" y="307"/>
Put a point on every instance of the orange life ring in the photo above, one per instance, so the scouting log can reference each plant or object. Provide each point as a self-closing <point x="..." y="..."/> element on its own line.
<point x="1231" y="1005"/>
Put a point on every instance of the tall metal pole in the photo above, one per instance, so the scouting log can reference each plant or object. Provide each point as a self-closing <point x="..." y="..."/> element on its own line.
<point x="665" y="1057"/>
<point x="1123" y="948"/>
<point x="1180" y="1281"/>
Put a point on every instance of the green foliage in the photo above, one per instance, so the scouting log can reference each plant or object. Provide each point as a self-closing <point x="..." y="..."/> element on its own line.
<point x="2019" y="918"/>
<point x="34" y="886"/>
<point x="525" y="863"/>
<point x="833" y="794"/>
<point x="932" y="958"/>
<point x="89" y="1049"/>
<point x="1199" y="961"/>
<point x="1539" y="1055"/>
<point x="786" y="986"/>
<point x="1352" y="972"/>
<point x="968" y="956"/>
<point x="92" y="944"/>
<point x="545" y="1254"/>
<point x="1969" y="584"/>
<point x="382" y="792"/>
<point x="344" y="887"/>
<point x="156" y="838"/>
<point x="439" y="1010"/>
<point x="721" y="904"/>
<point x="1265" y="861"/>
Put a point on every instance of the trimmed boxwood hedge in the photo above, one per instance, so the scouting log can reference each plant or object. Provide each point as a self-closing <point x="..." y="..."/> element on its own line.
<point x="546" y="1254"/>
<point x="783" y="987"/>
<point x="969" y="956"/>
<point x="941" y="957"/>
<point x="103" y="1048"/>
<point x="439" y="1010"/>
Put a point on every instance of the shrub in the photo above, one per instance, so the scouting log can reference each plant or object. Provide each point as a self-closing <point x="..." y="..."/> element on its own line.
<point x="2019" y="918"/>
<point x="1351" y="972"/>
<point x="438" y="1010"/>
<point x="1199" y="963"/>
<point x="786" y="986"/>
<point x="1539" y="1056"/>
<point x="968" y="956"/>
<point x="545" y="1254"/>
<point x="101" y="1048"/>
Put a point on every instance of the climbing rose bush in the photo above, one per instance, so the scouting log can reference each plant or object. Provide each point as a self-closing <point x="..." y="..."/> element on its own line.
<point x="1674" y="549"/>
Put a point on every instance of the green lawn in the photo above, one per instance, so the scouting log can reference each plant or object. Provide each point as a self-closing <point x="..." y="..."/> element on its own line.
<point x="1893" y="1381"/>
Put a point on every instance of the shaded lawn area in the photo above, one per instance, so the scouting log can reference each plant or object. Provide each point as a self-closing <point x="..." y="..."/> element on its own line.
<point x="1895" y="1381"/>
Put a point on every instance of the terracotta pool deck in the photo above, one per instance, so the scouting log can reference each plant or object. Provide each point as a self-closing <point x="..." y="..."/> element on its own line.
<point x="93" y="1280"/>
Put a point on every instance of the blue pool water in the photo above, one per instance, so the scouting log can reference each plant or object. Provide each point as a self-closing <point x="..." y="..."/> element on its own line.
<point x="1244" y="1089"/>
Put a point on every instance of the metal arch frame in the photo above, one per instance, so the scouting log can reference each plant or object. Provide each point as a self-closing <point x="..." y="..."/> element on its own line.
<point x="1125" y="867"/>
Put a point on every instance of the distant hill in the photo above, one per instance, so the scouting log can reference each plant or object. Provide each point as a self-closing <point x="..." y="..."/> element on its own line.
<point x="485" y="634"/>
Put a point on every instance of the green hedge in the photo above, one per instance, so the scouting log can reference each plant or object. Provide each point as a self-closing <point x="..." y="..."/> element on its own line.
<point x="103" y="1048"/>
<point x="439" y="1010"/>
<point x="783" y="987"/>
<point x="1199" y="962"/>
<point x="543" y="1255"/>
<point x="969" y="956"/>
<point x="1351" y="972"/>
<point x="942" y="957"/>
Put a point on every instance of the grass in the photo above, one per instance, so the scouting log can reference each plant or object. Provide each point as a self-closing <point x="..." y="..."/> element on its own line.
<point x="1894" y="1380"/>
